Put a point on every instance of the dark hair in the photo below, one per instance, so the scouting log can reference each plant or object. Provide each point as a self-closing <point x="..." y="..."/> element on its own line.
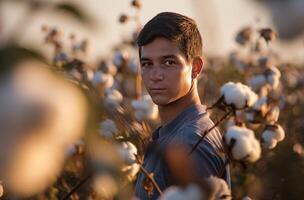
<point x="174" y="27"/>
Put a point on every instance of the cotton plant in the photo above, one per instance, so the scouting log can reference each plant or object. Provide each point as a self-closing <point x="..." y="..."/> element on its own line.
<point x="105" y="186"/>
<point x="133" y="65"/>
<point x="238" y="95"/>
<point x="190" y="192"/>
<point x="48" y="112"/>
<point x="54" y="37"/>
<point x="144" y="108"/>
<point x="108" y="67"/>
<point x="104" y="79"/>
<point x="258" y="111"/>
<point x="128" y="152"/>
<point x="271" y="135"/>
<point x="239" y="61"/>
<point x="257" y="82"/>
<point x="235" y="97"/>
<point x="270" y="79"/>
<point x="120" y="57"/>
<point x="242" y="144"/>
<point x="108" y="129"/>
<point x="113" y="98"/>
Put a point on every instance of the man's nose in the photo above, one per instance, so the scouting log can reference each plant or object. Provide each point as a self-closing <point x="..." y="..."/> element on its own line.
<point x="156" y="74"/>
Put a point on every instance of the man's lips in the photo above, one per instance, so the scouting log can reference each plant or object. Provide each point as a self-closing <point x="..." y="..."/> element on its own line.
<point x="157" y="89"/>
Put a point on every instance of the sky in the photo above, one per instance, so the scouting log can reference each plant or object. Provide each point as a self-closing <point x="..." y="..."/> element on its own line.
<point x="218" y="21"/>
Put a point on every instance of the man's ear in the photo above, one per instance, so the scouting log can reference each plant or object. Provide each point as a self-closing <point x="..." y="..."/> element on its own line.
<point x="197" y="66"/>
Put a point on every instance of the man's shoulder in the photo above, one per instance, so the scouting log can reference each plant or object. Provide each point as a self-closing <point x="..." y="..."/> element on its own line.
<point x="194" y="128"/>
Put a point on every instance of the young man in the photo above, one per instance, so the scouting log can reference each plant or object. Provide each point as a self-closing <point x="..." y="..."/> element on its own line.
<point x="170" y="51"/>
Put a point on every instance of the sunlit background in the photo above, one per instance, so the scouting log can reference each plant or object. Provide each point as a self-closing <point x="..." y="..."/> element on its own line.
<point x="218" y="21"/>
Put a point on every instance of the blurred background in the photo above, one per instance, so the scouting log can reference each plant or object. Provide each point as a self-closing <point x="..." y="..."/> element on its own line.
<point x="218" y="22"/>
<point x="94" y="31"/>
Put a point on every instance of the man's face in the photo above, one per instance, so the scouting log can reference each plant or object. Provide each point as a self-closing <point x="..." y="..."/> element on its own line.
<point x="165" y="71"/>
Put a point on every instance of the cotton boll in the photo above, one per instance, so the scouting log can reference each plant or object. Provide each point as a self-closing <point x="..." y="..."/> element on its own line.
<point x="191" y="192"/>
<point x="120" y="57"/>
<point x="251" y="97"/>
<point x="245" y="146"/>
<point x="127" y="150"/>
<point x="131" y="170"/>
<point x="273" y="71"/>
<point x="34" y="165"/>
<point x="219" y="189"/>
<point x="144" y="108"/>
<point x="268" y="139"/>
<point x="107" y="128"/>
<point x="273" y="76"/>
<point x="261" y="104"/>
<point x="241" y="149"/>
<point x="61" y="101"/>
<point x="238" y="95"/>
<point x="101" y="78"/>
<point x="113" y="98"/>
<point x="255" y="154"/>
<point x="236" y="131"/>
<point x="105" y="186"/>
<point x="273" y="81"/>
<point x="233" y="94"/>
<point x="133" y="65"/>
<point x="277" y="131"/>
<point x="257" y="82"/>
<point x="108" y="67"/>
<point x="257" y="112"/>
<point x="272" y="115"/>
<point x="238" y="61"/>
<point x="89" y="73"/>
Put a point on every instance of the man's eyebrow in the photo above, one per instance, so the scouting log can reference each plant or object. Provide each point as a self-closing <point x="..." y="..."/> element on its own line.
<point x="170" y="56"/>
<point x="162" y="57"/>
<point x="144" y="59"/>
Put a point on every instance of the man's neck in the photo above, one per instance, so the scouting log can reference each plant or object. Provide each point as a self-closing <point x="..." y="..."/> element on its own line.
<point x="170" y="111"/>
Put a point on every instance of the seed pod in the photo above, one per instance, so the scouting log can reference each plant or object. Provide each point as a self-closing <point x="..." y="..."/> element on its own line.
<point x="136" y="4"/>
<point x="268" y="34"/>
<point x="123" y="18"/>
<point x="243" y="37"/>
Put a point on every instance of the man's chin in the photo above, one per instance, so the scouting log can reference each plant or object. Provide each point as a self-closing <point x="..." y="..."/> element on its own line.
<point x="159" y="102"/>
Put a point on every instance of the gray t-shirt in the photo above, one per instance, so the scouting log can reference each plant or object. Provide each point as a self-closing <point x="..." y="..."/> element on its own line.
<point x="184" y="129"/>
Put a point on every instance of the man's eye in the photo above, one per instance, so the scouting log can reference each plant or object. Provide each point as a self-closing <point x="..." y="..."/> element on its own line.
<point x="145" y="64"/>
<point x="169" y="62"/>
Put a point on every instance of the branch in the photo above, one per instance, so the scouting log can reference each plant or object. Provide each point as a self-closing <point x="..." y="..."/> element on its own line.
<point x="208" y="130"/>
<point x="148" y="175"/>
<point x="79" y="184"/>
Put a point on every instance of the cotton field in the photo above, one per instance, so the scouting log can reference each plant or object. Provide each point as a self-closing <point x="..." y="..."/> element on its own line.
<point x="73" y="129"/>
